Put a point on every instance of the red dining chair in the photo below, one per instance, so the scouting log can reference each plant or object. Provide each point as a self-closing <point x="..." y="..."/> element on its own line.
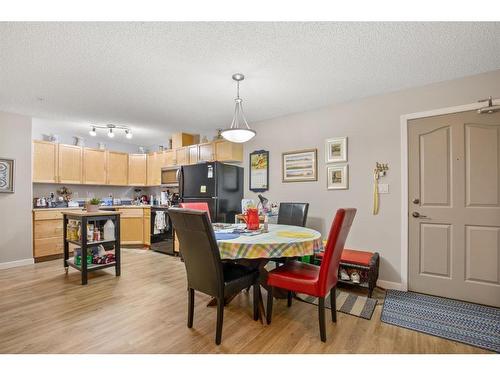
<point x="200" y="206"/>
<point x="315" y="280"/>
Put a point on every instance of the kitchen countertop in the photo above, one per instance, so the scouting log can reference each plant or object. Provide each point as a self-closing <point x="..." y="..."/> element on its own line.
<point x="81" y="208"/>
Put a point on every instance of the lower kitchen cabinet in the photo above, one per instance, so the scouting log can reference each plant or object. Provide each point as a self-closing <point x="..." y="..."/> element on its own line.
<point x="135" y="226"/>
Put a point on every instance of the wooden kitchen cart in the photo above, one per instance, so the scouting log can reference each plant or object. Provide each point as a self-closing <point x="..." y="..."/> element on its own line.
<point x="84" y="217"/>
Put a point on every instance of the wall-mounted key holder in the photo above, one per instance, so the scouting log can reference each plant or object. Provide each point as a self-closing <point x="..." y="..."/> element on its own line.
<point x="379" y="171"/>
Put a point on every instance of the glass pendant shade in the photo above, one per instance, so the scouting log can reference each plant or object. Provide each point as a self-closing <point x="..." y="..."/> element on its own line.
<point x="239" y="131"/>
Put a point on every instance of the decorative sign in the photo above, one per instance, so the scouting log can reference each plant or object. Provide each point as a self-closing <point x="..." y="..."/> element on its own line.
<point x="298" y="166"/>
<point x="6" y="175"/>
<point x="259" y="171"/>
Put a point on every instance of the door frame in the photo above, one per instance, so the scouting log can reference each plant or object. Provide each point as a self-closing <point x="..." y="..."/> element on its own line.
<point x="404" y="173"/>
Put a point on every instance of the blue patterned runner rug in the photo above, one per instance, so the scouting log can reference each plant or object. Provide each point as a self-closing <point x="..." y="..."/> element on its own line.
<point x="464" y="322"/>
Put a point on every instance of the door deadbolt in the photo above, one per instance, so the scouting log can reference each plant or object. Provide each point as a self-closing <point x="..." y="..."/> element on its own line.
<point x="416" y="201"/>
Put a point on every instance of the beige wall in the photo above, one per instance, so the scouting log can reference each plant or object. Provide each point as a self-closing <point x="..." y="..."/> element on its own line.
<point x="15" y="209"/>
<point x="373" y="128"/>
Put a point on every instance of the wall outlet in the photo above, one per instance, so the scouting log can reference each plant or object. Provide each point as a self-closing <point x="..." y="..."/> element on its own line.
<point x="383" y="188"/>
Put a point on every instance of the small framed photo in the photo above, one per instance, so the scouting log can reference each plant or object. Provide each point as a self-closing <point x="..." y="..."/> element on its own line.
<point x="336" y="150"/>
<point x="300" y="166"/>
<point x="337" y="177"/>
<point x="6" y="175"/>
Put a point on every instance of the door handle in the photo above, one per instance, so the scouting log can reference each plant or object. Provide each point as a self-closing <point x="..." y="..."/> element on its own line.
<point x="417" y="215"/>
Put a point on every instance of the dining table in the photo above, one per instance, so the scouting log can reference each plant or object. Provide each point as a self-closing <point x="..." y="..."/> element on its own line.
<point x="257" y="248"/>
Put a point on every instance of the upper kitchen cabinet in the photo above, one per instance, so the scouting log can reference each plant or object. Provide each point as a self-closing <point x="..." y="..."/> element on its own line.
<point x="69" y="164"/>
<point x="44" y="162"/>
<point x="154" y="163"/>
<point x="183" y="139"/>
<point x="168" y="158"/>
<point x="206" y="152"/>
<point x="193" y="154"/>
<point x="137" y="169"/>
<point x="182" y="156"/>
<point x="117" y="168"/>
<point x="94" y="166"/>
<point x="228" y="151"/>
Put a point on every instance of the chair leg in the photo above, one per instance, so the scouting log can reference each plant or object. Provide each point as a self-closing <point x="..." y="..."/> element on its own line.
<point x="289" y="298"/>
<point x="190" y="307"/>
<point x="333" y="304"/>
<point x="269" y="312"/>
<point x="220" y="318"/>
<point x="321" y="313"/>
<point x="256" y="299"/>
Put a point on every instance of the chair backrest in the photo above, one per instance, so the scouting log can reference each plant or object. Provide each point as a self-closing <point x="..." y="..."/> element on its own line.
<point x="339" y="230"/>
<point x="200" y="206"/>
<point x="199" y="250"/>
<point x="293" y="214"/>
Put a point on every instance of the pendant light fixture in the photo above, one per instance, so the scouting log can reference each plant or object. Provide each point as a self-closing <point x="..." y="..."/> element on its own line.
<point x="239" y="131"/>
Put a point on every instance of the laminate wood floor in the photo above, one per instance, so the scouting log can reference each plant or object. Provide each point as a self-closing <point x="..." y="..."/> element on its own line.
<point x="43" y="310"/>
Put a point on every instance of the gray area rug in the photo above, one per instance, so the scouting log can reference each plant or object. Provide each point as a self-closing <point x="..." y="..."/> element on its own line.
<point x="347" y="303"/>
<point x="464" y="322"/>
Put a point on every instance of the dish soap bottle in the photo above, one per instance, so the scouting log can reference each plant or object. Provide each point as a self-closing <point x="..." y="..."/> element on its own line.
<point x="109" y="230"/>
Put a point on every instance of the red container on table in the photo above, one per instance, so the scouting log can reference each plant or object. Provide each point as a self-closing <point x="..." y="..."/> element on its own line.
<point x="252" y="219"/>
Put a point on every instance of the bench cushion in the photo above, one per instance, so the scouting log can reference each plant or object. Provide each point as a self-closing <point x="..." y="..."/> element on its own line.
<point x="358" y="257"/>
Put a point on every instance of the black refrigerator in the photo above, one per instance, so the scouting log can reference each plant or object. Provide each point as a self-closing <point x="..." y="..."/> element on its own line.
<point x="218" y="184"/>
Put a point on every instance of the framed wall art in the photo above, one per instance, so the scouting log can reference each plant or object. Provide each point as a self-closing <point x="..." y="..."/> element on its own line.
<point x="259" y="171"/>
<point x="336" y="150"/>
<point x="6" y="175"/>
<point x="300" y="166"/>
<point x="337" y="177"/>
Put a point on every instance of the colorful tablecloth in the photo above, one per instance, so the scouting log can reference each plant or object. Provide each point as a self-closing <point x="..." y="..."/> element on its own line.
<point x="272" y="244"/>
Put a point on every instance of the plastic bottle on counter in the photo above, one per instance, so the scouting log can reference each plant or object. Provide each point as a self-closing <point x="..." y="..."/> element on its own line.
<point x="109" y="230"/>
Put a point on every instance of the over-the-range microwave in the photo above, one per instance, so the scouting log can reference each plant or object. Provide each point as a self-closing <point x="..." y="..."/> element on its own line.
<point x="170" y="176"/>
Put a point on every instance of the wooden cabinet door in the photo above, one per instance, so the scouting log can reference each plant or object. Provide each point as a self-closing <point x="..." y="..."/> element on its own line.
<point x="193" y="154"/>
<point x="154" y="162"/>
<point x="117" y="168"/>
<point x="206" y="152"/>
<point x="147" y="227"/>
<point x="137" y="169"/>
<point x="70" y="164"/>
<point x="228" y="151"/>
<point x="44" y="161"/>
<point x="132" y="226"/>
<point x="94" y="166"/>
<point x="168" y="158"/>
<point x="182" y="156"/>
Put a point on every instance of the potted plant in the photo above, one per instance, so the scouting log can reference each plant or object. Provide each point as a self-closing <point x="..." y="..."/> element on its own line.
<point x="93" y="205"/>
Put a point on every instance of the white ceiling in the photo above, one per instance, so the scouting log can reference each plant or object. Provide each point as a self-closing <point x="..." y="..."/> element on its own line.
<point x="163" y="77"/>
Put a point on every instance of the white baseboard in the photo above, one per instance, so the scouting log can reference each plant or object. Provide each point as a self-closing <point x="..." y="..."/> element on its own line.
<point x="389" y="285"/>
<point x="16" y="263"/>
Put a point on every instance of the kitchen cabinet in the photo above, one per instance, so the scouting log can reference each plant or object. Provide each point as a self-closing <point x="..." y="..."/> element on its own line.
<point x="181" y="156"/>
<point x="135" y="226"/>
<point x="69" y="164"/>
<point x="168" y="158"/>
<point x="228" y="151"/>
<point x="154" y="162"/>
<point x="117" y="168"/>
<point x="206" y="152"/>
<point x="182" y="139"/>
<point x="94" y="166"/>
<point x="193" y="154"/>
<point x="137" y="169"/>
<point x="48" y="234"/>
<point x="44" y="162"/>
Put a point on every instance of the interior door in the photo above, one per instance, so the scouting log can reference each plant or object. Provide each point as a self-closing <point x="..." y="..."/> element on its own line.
<point x="454" y="206"/>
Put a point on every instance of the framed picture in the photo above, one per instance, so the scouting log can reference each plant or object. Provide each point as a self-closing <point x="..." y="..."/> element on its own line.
<point x="336" y="150"/>
<point x="6" y="175"/>
<point x="299" y="166"/>
<point x="259" y="171"/>
<point x="337" y="177"/>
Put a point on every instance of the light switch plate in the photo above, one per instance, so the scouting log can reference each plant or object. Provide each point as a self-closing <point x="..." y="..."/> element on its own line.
<point x="383" y="188"/>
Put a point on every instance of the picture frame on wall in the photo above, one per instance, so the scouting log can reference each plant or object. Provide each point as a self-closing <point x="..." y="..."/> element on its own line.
<point x="259" y="171"/>
<point x="6" y="175"/>
<point x="337" y="177"/>
<point x="300" y="166"/>
<point x="336" y="150"/>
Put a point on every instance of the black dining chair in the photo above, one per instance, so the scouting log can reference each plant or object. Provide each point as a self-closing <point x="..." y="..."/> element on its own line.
<point x="293" y="214"/>
<point x="206" y="272"/>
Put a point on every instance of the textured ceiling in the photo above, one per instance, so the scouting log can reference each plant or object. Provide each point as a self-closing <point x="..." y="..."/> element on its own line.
<point x="163" y="77"/>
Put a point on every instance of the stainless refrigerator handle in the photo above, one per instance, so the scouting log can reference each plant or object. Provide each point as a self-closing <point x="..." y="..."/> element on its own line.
<point x="215" y="197"/>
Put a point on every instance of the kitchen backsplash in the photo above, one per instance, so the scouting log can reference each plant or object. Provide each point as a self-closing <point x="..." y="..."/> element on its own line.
<point x="87" y="191"/>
